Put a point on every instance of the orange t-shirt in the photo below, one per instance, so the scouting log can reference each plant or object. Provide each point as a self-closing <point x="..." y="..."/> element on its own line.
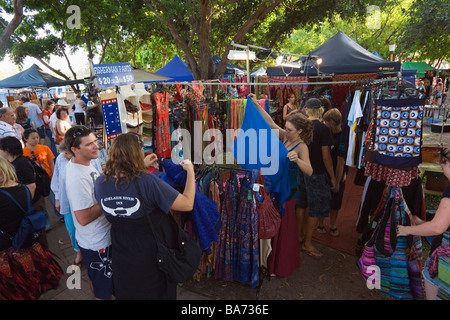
<point x="43" y="155"/>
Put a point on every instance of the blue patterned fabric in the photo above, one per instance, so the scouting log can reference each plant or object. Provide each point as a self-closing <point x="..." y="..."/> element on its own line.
<point x="398" y="138"/>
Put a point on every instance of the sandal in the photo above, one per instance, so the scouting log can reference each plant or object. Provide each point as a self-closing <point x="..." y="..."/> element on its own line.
<point x="312" y="253"/>
<point x="321" y="229"/>
<point x="334" y="232"/>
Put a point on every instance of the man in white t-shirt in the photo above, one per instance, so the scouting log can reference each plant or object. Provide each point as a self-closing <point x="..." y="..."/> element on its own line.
<point x="92" y="230"/>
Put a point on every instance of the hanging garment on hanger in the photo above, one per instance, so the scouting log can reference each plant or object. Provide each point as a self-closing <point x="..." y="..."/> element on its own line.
<point x="276" y="170"/>
<point x="162" y="127"/>
<point x="398" y="133"/>
<point x="352" y="120"/>
<point x="205" y="215"/>
<point x="224" y="252"/>
<point x="246" y="238"/>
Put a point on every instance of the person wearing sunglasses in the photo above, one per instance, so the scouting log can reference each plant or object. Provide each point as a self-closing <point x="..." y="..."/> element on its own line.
<point x="435" y="227"/>
<point x="92" y="230"/>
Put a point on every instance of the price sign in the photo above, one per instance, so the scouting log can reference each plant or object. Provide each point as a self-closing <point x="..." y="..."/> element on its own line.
<point x="111" y="117"/>
<point x="113" y="74"/>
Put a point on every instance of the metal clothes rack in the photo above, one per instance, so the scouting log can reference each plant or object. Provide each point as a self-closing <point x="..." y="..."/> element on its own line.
<point x="214" y="83"/>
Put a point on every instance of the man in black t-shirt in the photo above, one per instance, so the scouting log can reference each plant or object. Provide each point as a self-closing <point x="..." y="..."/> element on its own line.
<point x="314" y="191"/>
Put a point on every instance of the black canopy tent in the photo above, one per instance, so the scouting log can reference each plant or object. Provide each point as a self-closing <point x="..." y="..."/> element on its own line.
<point x="340" y="55"/>
<point x="35" y="77"/>
<point x="231" y="69"/>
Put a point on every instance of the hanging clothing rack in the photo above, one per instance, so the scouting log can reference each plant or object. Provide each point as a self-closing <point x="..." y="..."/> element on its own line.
<point x="222" y="167"/>
<point x="362" y="81"/>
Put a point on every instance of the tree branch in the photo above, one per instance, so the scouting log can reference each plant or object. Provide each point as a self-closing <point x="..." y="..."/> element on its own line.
<point x="191" y="61"/>
<point x="265" y="8"/>
<point x="13" y="24"/>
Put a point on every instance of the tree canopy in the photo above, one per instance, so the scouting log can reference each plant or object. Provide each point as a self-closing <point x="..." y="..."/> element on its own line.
<point x="148" y="33"/>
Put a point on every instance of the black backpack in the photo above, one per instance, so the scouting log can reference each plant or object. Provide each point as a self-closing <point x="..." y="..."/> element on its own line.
<point x="42" y="178"/>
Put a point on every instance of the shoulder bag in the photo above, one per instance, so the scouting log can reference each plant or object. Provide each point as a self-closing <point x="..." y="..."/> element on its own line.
<point x="178" y="254"/>
<point x="269" y="219"/>
<point x="31" y="226"/>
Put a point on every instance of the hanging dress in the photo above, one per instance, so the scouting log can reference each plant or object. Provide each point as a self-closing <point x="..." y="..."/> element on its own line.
<point x="284" y="257"/>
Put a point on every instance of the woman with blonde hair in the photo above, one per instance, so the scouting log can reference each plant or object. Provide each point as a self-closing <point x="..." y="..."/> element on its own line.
<point x="26" y="273"/>
<point x="127" y="194"/>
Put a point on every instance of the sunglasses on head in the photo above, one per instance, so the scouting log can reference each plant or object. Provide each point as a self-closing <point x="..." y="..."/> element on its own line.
<point x="79" y="131"/>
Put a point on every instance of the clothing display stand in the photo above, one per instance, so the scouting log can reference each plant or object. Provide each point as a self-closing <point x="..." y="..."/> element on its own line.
<point x="129" y="110"/>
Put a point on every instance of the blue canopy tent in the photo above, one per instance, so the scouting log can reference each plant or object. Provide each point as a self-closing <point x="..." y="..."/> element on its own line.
<point x="35" y="77"/>
<point x="177" y="70"/>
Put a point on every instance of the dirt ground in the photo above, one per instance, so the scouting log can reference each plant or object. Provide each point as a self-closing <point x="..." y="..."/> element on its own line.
<point x="334" y="276"/>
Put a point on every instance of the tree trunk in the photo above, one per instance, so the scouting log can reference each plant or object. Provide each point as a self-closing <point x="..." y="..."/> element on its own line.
<point x="259" y="13"/>
<point x="205" y="67"/>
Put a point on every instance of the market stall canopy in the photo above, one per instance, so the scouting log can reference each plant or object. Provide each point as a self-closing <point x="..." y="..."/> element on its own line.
<point x="340" y="55"/>
<point x="177" y="70"/>
<point x="377" y="54"/>
<point x="421" y="67"/>
<point x="146" y="76"/>
<point x="260" y="72"/>
<point x="231" y="68"/>
<point x="35" y="77"/>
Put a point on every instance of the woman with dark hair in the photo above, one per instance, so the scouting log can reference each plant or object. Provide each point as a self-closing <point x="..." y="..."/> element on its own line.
<point x="126" y="194"/>
<point x="11" y="149"/>
<point x="285" y="258"/>
<point x="61" y="125"/>
<point x="291" y="106"/>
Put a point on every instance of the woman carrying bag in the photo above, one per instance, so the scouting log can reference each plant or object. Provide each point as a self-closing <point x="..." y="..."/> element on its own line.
<point x="136" y="274"/>
<point x="27" y="273"/>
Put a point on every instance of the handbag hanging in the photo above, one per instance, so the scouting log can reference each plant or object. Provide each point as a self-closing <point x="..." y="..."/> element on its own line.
<point x="396" y="257"/>
<point x="178" y="254"/>
<point x="269" y="219"/>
